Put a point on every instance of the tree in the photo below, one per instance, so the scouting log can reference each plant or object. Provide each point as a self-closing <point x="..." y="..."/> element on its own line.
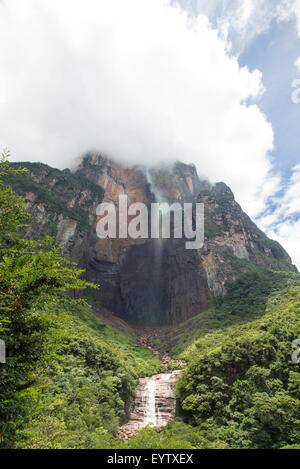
<point x="33" y="274"/>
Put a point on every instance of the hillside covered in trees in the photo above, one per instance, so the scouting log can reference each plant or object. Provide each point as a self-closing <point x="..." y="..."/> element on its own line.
<point x="71" y="372"/>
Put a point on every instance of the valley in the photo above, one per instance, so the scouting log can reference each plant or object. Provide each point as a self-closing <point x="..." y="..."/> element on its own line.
<point x="147" y="344"/>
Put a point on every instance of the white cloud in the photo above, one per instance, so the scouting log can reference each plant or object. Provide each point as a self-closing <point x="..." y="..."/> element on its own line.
<point x="290" y="9"/>
<point x="297" y="63"/>
<point x="282" y="223"/>
<point x="136" y="80"/>
<point x="287" y="205"/>
<point x="288" y="235"/>
<point x="297" y="13"/>
<point x="243" y="20"/>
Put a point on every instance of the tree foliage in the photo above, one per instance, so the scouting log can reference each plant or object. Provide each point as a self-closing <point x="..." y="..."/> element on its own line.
<point x="32" y="275"/>
<point x="242" y="384"/>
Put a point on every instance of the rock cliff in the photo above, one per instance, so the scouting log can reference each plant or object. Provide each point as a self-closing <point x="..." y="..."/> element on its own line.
<point x="144" y="280"/>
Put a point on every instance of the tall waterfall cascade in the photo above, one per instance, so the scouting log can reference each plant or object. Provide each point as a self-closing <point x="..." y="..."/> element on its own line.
<point x="150" y="408"/>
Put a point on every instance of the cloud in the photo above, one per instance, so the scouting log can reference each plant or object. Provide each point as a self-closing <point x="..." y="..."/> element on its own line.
<point x="296" y="9"/>
<point x="240" y="21"/>
<point x="290" y="9"/>
<point x="297" y="63"/>
<point x="137" y="80"/>
<point x="288" y="235"/>
<point x="282" y="222"/>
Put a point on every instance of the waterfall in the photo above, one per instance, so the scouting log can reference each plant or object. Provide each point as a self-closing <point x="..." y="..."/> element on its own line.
<point x="150" y="410"/>
<point x="158" y="197"/>
<point x="154" y="189"/>
<point x="154" y="403"/>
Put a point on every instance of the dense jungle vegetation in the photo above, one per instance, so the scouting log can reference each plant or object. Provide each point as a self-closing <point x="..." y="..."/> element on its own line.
<point x="69" y="374"/>
<point x="241" y="388"/>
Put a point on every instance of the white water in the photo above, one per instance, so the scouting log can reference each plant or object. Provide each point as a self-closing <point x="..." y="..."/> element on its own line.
<point x="153" y="187"/>
<point x="158" y="197"/>
<point x="150" y="411"/>
<point x="154" y="404"/>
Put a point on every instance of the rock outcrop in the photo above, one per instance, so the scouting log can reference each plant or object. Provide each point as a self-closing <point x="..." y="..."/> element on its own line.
<point x="145" y="280"/>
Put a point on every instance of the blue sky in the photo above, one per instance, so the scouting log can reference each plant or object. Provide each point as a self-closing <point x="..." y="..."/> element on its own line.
<point x="275" y="53"/>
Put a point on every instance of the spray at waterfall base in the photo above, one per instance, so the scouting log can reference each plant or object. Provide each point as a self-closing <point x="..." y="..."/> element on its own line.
<point x="159" y="221"/>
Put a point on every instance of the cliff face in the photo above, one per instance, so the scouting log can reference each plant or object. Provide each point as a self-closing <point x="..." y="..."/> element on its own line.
<point x="144" y="280"/>
<point x="233" y="242"/>
<point x="62" y="205"/>
<point x="154" y="281"/>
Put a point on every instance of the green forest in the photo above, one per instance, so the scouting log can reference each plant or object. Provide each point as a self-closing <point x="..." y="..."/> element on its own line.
<point x="71" y="374"/>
